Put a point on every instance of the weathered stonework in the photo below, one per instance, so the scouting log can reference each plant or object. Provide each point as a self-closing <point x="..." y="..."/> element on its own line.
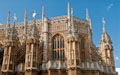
<point x="60" y="45"/>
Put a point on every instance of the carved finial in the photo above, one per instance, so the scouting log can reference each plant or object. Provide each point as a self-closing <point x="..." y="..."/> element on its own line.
<point x="34" y="14"/>
<point x="68" y="10"/>
<point x="104" y="30"/>
<point x="15" y="18"/>
<point x="87" y="14"/>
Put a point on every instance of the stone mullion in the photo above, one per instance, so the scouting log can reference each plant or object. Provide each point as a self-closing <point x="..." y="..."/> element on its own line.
<point x="60" y="47"/>
<point x="36" y="48"/>
<point x="53" y="48"/>
<point x="9" y="58"/>
<point x="70" y="50"/>
<point x="57" y="47"/>
<point x="5" y="57"/>
<point x="31" y="54"/>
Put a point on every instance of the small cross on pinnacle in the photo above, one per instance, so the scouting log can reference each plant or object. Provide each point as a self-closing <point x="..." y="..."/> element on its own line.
<point x="103" y="20"/>
<point x="103" y="25"/>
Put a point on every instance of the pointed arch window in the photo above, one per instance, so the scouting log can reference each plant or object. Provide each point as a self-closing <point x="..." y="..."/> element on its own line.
<point x="58" y="47"/>
<point x="82" y="50"/>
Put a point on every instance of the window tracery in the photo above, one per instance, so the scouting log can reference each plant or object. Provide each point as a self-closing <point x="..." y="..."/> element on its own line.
<point x="58" y="47"/>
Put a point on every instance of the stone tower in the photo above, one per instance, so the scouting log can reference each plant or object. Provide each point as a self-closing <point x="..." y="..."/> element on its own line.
<point x="32" y="51"/>
<point x="10" y="50"/>
<point x="107" y="48"/>
<point x="73" y="57"/>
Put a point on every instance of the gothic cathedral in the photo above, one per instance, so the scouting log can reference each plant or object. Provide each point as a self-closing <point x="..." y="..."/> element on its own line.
<point x="60" y="45"/>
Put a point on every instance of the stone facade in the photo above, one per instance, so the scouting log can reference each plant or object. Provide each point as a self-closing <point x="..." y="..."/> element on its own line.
<point x="60" y="45"/>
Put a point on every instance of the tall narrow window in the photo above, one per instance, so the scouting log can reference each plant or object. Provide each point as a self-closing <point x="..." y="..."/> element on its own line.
<point x="63" y="53"/>
<point x="60" y="43"/>
<point x="58" y="54"/>
<point x="63" y="43"/>
<point x="82" y="50"/>
<point x="58" y="47"/>
<point x="53" y="45"/>
<point x="82" y="44"/>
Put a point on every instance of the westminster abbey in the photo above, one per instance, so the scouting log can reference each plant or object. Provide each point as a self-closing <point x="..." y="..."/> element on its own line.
<point x="60" y="45"/>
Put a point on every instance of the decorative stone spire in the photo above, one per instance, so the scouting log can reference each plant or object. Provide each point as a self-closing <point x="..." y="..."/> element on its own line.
<point x="8" y="25"/>
<point x="25" y="25"/>
<point x="34" y="31"/>
<point x="8" y="19"/>
<point x="87" y="14"/>
<point x="43" y="12"/>
<point x="104" y="30"/>
<point x="107" y="48"/>
<point x="43" y="17"/>
<point x="105" y="37"/>
<point x="88" y="18"/>
<point x="72" y="22"/>
<point x="69" y="20"/>
<point x="68" y="10"/>
<point x="34" y="28"/>
<point x="13" y="34"/>
<point x="72" y="28"/>
<point x="90" y="24"/>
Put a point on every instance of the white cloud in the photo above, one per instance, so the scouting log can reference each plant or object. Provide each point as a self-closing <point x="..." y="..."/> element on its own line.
<point x="116" y="58"/>
<point x="110" y="6"/>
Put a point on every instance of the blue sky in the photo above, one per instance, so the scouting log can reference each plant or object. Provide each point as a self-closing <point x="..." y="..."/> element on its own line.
<point x="109" y="9"/>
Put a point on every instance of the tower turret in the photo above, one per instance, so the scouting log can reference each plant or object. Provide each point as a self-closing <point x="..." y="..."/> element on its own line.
<point x="32" y="50"/>
<point x="73" y="59"/>
<point x="10" y="50"/>
<point x="107" y="48"/>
